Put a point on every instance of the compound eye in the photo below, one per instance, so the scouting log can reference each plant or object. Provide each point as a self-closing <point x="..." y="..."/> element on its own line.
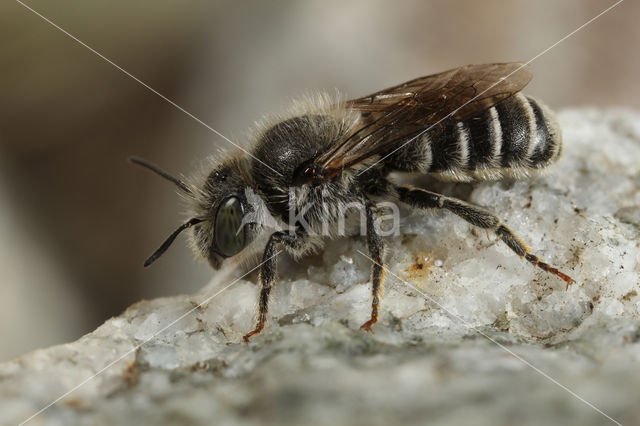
<point x="229" y="232"/>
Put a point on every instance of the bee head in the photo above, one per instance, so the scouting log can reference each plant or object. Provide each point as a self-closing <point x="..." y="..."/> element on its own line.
<point x="221" y="200"/>
<point x="217" y="207"/>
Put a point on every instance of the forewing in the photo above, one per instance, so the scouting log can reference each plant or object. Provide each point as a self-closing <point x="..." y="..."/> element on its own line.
<point x="393" y="116"/>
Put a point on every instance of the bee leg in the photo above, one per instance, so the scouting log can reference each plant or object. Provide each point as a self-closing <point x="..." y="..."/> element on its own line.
<point x="376" y="247"/>
<point x="479" y="217"/>
<point x="268" y="275"/>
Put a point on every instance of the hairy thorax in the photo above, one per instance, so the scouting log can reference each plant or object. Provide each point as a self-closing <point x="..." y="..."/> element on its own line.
<point x="284" y="147"/>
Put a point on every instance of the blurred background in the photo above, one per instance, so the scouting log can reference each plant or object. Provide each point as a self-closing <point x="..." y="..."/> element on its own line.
<point x="77" y="220"/>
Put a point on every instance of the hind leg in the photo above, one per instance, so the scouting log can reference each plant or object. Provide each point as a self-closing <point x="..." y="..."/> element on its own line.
<point x="479" y="217"/>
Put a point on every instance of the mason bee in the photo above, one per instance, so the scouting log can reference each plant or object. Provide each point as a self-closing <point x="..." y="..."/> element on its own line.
<point x="466" y="124"/>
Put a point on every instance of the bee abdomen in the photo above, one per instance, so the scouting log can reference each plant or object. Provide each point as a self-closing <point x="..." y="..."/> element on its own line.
<point x="515" y="136"/>
<point x="530" y="136"/>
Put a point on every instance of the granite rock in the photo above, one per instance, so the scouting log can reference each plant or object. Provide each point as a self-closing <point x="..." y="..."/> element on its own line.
<point x="469" y="332"/>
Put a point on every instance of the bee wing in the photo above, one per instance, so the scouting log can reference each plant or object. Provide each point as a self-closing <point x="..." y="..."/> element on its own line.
<point x="393" y="116"/>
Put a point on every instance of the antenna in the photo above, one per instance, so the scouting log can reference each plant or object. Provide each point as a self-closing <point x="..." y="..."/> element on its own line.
<point x="169" y="240"/>
<point x="157" y="170"/>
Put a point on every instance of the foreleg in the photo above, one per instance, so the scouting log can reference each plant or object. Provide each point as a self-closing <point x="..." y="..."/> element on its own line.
<point x="268" y="276"/>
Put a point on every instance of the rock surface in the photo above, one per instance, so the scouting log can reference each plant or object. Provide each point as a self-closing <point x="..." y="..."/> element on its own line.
<point x="469" y="332"/>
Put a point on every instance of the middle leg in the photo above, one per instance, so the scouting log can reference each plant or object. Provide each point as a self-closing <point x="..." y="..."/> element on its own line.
<point x="376" y="247"/>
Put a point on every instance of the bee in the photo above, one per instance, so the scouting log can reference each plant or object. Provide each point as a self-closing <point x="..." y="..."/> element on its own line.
<point x="467" y="124"/>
